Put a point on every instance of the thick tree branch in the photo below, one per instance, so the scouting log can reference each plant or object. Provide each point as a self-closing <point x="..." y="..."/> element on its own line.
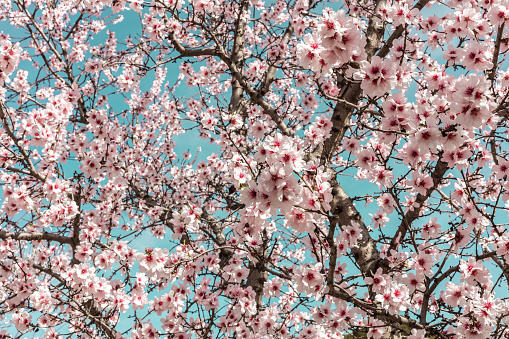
<point x="188" y="52"/>
<point x="237" y="57"/>
<point x="342" y="207"/>
<point x="34" y="236"/>
<point x="380" y="313"/>
<point x="257" y="273"/>
<point x="333" y="254"/>
<point x="271" y="72"/>
<point x="500" y="33"/>
<point x="398" y="32"/>
<point x="340" y="121"/>
<point x="255" y="97"/>
<point x="366" y="254"/>
<point x="220" y="239"/>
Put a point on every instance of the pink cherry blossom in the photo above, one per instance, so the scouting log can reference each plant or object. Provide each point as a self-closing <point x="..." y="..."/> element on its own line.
<point x="378" y="77"/>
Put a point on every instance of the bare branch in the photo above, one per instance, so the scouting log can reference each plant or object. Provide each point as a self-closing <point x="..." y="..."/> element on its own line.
<point x="36" y="236"/>
<point x="412" y="215"/>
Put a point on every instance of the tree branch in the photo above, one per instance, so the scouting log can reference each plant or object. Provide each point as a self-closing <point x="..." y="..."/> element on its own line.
<point x="34" y="236"/>
<point x="24" y="153"/>
<point x="398" y="32"/>
<point x="496" y="52"/>
<point x="412" y="215"/>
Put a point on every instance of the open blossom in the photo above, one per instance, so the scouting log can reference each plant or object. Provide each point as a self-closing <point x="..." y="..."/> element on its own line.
<point x="431" y="229"/>
<point x="412" y="154"/>
<point x="428" y="138"/>
<point x="310" y="281"/>
<point x="21" y="320"/>
<point x="273" y="288"/>
<point x="402" y="14"/>
<point x="422" y="263"/>
<point x="42" y="300"/>
<point x="60" y="213"/>
<point x="17" y="199"/>
<point x="120" y="301"/>
<point x="300" y="220"/>
<point x="421" y="182"/>
<point x="417" y="334"/>
<point x="453" y="54"/>
<point x="386" y="202"/>
<point x="309" y="53"/>
<point x="414" y="282"/>
<point x="93" y="66"/>
<point x="457" y="157"/>
<point x="380" y="219"/>
<point x="394" y="298"/>
<point x="498" y="14"/>
<point x="378" y="77"/>
<point x="92" y="167"/>
<point x="152" y="261"/>
<point x="502" y="246"/>
<point x="488" y="308"/>
<point x="470" y="89"/>
<point x="472" y="327"/>
<point x="376" y="329"/>
<point x="501" y="170"/>
<point x="378" y="281"/>
<point x="366" y="158"/>
<point x="9" y="58"/>
<point x="350" y="235"/>
<point x="382" y="177"/>
<point x="342" y="39"/>
<point x="474" y="271"/>
<point x="83" y="252"/>
<point x="477" y="57"/>
<point x="55" y="188"/>
<point x="105" y="259"/>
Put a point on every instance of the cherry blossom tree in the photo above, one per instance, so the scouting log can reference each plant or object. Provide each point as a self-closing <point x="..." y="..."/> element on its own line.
<point x="249" y="169"/>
